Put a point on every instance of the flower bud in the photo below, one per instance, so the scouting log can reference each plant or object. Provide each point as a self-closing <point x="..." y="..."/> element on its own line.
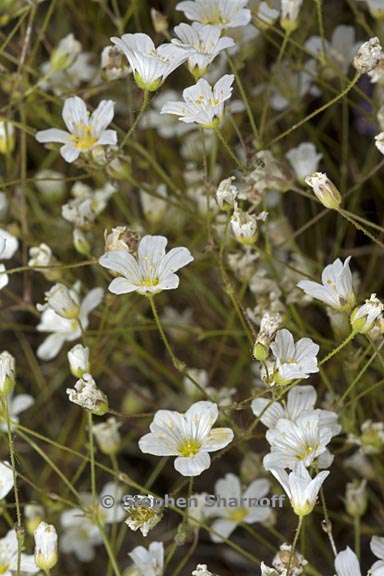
<point x="7" y="374"/>
<point x="80" y="242"/>
<point x="159" y="21"/>
<point x="324" y="190"/>
<point x="363" y="318"/>
<point x="368" y="56"/>
<point x="66" y="52"/>
<point x="356" y="498"/>
<point x="78" y="358"/>
<point x="51" y="185"/>
<point x="244" y="227"/>
<point x="108" y="436"/>
<point x="7" y="137"/>
<point x="45" y="546"/>
<point x="34" y="515"/>
<point x="289" y="14"/>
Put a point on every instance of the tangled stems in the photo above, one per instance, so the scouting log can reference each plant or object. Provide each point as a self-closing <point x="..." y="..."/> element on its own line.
<point x="339" y="348"/>
<point x="244" y="98"/>
<point x="228" y="149"/>
<point x="92" y="455"/>
<point x="19" y="528"/>
<point x="293" y="549"/>
<point x="318" y="111"/>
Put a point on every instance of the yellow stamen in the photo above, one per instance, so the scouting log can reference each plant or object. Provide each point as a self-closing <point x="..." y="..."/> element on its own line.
<point x="189" y="448"/>
<point x="84" y="139"/>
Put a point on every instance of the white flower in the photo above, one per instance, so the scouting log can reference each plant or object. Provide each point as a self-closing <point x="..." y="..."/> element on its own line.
<point x="290" y="13"/>
<point x="78" y="358"/>
<point x="324" y="190"/>
<point x="63" y="329"/>
<point x="188" y="436"/>
<point x="377" y="547"/>
<point x="300" y="400"/>
<point x="339" y="51"/>
<point x="154" y="207"/>
<point x="356" y="497"/>
<point x="269" y="324"/>
<point x="304" y="159"/>
<point x="347" y="563"/>
<point x="50" y="184"/>
<point x="233" y="506"/>
<point x="266" y="16"/>
<point x="364" y="317"/>
<point x="113" y="63"/>
<point x="8" y="557"/>
<point x="300" y="488"/>
<point x="45" y="546"/>
<point x="143" y="513"/>
<point x="167" y="126"/>
<point x="376" y="8"/>
<point x="151" y="272"/>
<point x="293" y="360"/>
<point x="293" y="442"/>
<point x="244" y="226"/>
<point x="84" y="131"/>
<point x="65" y="53"/>
<point x="7" y="373"/>
<point x="285" y="557"/>
<point x="42" y="256"/>
<point x="336" y="289"/>
<point x="114" y="513"/>
<point x="203" y="44"/>
<point x="63" y="301"/>
<point x="80" y="535"/>
<point x="6" y="479"/>
<point x="371" y="439"/>
<point x="150" y="65"/>
<point x="202" y="103"/>
<point x="108" y="436"/>
<point x="8" y="245"/>
<point x="87" y="204"/>
<point x="217" y="12"/>
<point x="368" y="56"/>
<point x="149" y="562"/>
<point x="87" y="395"/>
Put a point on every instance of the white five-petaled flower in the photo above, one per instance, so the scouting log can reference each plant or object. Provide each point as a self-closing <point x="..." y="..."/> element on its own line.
<point x="234" y="506"/>
<point x="293" y="360"/>
<point x="149" y="562"/>
<point x="301" y="441"/>
<point x="188" y="436"/>
<point x="9" y="557"/>
<point x="63" y="329"/>
<point x="85" y="131"/>
<point x="217" y="12"/>
<point x="300" y="400"/>
<point x="45" y="546"/>
<point x="336" y="289"/>
<point x="300" y="488"/>
<point x="202" y="103"/>
<point x="151" y="272"/>
<point x="347" y="563"/>
<point x="6" y="479"/>
<point x="150" y="65"/>
<point x="203" y="44"/>
<point x="377" y="547"/>
<point x="16" y="405"/>
<point x="304" y="159"/>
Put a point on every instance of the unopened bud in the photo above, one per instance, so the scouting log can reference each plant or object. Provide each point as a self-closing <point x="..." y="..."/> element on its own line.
<point x="325" y="190"/>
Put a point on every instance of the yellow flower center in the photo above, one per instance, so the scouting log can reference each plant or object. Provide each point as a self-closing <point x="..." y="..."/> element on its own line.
<point x="189" y="448"/>
<point x="149" y="282"/>
<point x="3" y="568"/>
<point x="307" y="451"/>
<point x="238" y="514"/>
<point x="84" y="139"/>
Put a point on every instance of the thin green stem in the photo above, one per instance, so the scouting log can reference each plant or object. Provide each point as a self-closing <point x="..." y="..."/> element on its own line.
<point x="244" y="98"/>
<point x="338" y="348"/>
<point x="143" y="107"/>
<point x="92" y="455"/>
<point x="293" y="549"/>
<point x="228" y="149"/>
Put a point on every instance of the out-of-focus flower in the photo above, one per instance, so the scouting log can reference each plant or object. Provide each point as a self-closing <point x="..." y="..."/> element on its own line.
<point x="6" y="479"/>
<point x="228" y="491"/>
<point x="188" y="436"/>
<point x="9" y="556"/>
<point x="338" y="52"/>
<point x="113" y="63"/>
<point x="87" y="204"/>
<point x="50" y="184"/>
<point x="85" y="132"/>
<point x="300" y="488"/>
<point x="7" y="137"/>
<point x="87" y="395"/>
<point x="203" y="43"/>
<point x="16" y="405"/>
<point x="376" y="8"/>
<point x="152" y="272"/>
<point x="80" y="535"/>
<point x="7" y="373"/>
<point x="64" y="329"/>
<point x="217" y="12"/>
<point x="336" y="289"/>
<point x="304" y="159"/>
<point x="202" y="104"/>
<point x="371" y="439"/>
<point x="356" y="498"/>
<point x="154" y="207"/>
<point x="379" y="142"/>
<point x="377" y="547"/>
<point x="290" y="14"/>
<point x="150" y="65"/>
<point x="108" y="436"/>
<point x="149" y="562"/>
